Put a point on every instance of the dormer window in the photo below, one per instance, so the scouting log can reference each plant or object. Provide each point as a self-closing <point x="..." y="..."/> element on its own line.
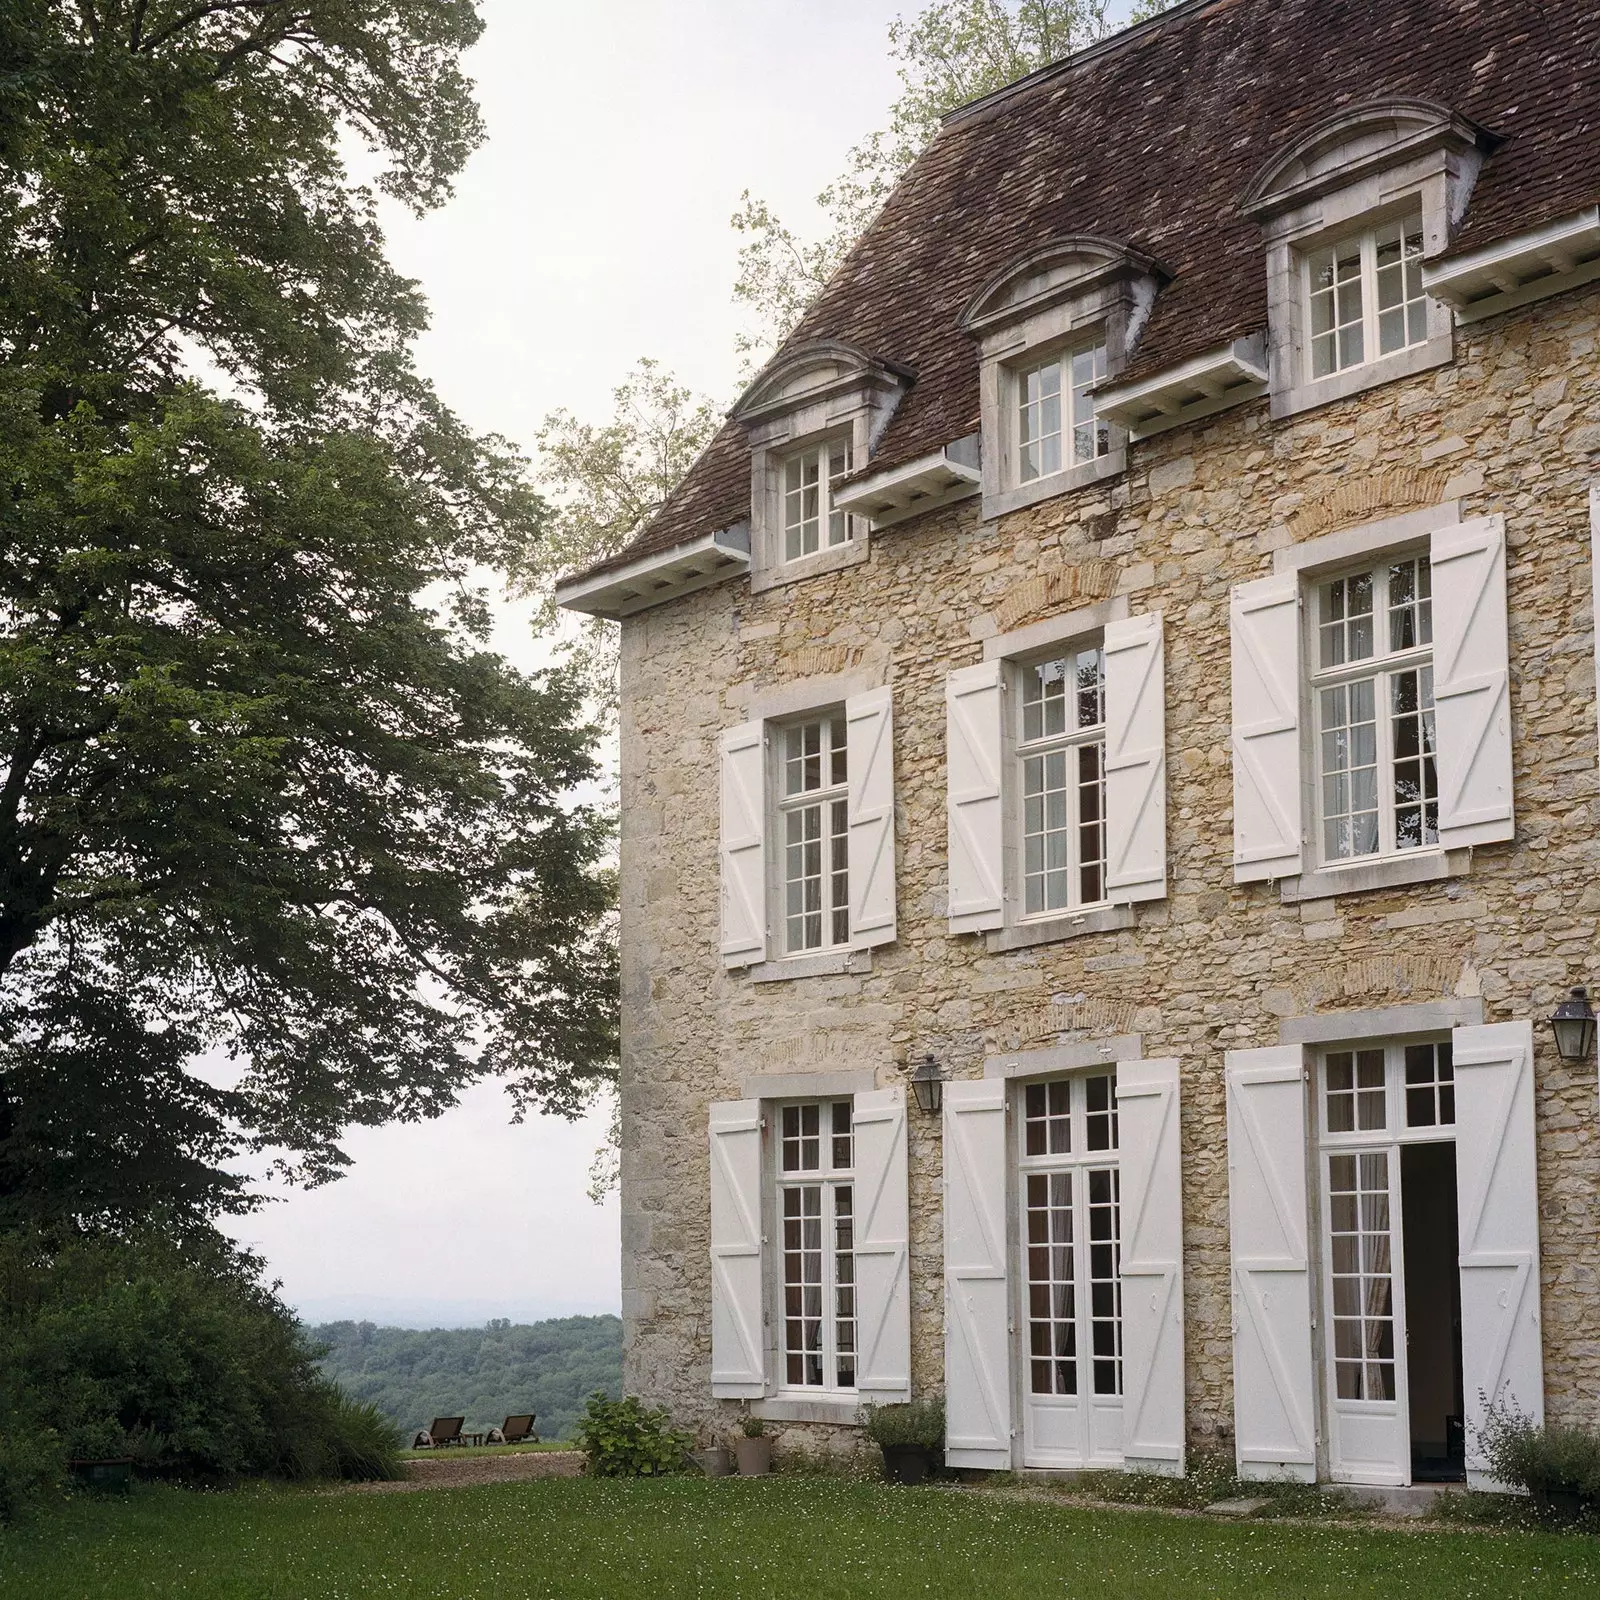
<point x="1350" y="212"/>
<point x="1365" y="297"/>
<point x="1051" y="329"/>
<point x="810" y="520"/>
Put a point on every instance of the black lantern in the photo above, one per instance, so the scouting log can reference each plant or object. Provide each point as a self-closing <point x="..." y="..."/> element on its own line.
<point x="1574" y="1025"/>
<point x="927" y="1084"/>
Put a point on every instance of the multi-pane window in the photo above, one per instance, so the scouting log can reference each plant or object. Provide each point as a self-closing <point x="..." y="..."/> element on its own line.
<point x="1374" y="1100"/>
<point x="814" y="811"/>
<point x="810" y="520"/>
<point x="1056" y="424"/>
<point x="816" y="1203"/>
<point x="1062" y="750"/>
<point x="1378" y="782"/>
<point x="1365" y="297"/>
<point x="1073" y="1235"/>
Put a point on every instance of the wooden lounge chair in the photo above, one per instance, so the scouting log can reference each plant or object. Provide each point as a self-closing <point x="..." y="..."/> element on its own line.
<point x="446" y="1430"/>
<point x="519" y="1430"/>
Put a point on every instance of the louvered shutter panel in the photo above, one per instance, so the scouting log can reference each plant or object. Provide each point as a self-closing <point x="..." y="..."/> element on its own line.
<point x="1274" y="1388"/>
<point x="1136" y="760"/>
<point x="977" y="1340"/>
<point x="869" y="725"/>
<point x="738" y="1342"/>
<point x="1471" y="683"/>
<point x="1498" y="1217"/>
<point x="744" y="846"/>
<point x="1265" y="633"/>
<point x="973" y="745"/>
<point x="1152" y="1266"/>
<point x="882" y="1248"/>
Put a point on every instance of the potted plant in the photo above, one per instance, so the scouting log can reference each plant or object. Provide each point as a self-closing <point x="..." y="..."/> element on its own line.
<point x="910" y="1435"/>
<point x="753" y="1448"/>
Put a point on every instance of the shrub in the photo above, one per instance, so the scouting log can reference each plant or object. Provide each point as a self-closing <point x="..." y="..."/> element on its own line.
<point x="32" y="1464"/>
<point x="752" y="1426"/>
<point x="914" y="1422"/>
<point x="1544" y="1461"/>
<point x="627" y="1439"/>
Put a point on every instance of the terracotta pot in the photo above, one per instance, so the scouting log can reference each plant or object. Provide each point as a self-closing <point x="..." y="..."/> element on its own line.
<point x="905" y="1463"/>
<point x="755" y="1457"/>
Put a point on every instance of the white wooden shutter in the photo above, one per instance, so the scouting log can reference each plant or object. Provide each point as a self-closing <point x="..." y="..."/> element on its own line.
<point x="1498" y="1200"/>
<point x="744" y="845"/>
<point x="977" y="1338"/>
<point x="1136" y="760"/>
<point x="869" y="725"/>
<point x="738" y="1342"/>
<point x="973" y="745"/>
<point x="1594" y="582"/>
<point x="1152" y="1266"/>
<point x="1265" y="631"/>
<point x="882" y="1248"/>
<point x="1274" y="1387"/>
<point x="1471" y="683"/>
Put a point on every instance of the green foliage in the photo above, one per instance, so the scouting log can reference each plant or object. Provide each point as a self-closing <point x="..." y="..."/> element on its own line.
<point x="174" y="1355"/>
<point x="627" y="1439"/>
<point x="752" y="1427"/>
<point x="914" y="1422"/>
<point x="1546" y="1461"/>
<point x="267" y="791"/>
<point x="485" y="1374"/>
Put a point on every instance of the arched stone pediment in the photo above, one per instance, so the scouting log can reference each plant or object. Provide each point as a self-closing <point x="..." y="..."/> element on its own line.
<point x="1353" y="142"/>
<point x="809" y="371"/>
<point x="1059" y="269"/>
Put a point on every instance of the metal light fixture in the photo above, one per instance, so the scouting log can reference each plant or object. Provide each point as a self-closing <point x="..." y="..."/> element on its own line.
<point x="927" y="1084"/>
<point x="1574" y="1027"/>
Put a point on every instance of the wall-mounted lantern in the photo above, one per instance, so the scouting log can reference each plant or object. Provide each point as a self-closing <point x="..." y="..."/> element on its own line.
<point x="1574" y="1027"/>
<point x="927" y="1084"/>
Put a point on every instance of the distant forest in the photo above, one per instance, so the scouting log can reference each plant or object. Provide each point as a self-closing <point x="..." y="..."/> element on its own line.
<point x="484" y="1374"/>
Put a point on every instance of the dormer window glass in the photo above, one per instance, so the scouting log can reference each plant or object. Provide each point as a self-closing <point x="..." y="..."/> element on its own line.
<point x="1366" y="297"/>
<point x="810" y="522"/>
<point x="814" y="801"/>
<point x="1051" y="421"/>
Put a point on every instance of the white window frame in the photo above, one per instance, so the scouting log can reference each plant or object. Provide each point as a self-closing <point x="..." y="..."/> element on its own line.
<point x="832" y="528"/>
<point x="1075" y="408"/>
<point x="831" y="800"/>
<point x="831" y="1182"/>
<point x="1381" y="667"/>
<point x="1369" y="282"/>
<point x="1072" y="739"/>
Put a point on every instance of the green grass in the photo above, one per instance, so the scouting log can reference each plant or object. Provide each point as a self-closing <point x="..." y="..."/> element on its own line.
<point x="682" y="1537"/>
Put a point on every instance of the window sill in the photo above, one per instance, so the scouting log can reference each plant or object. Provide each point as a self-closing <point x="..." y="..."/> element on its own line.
<point x="835" y="557"/>
<point x="838" y="1409"/>
<point x="1024" y="935"/>
<point x="1079" y="477"/>
<point x="1438" y="351"/>
<point x="1396" y="873"/>
<point x="824" y="964"/>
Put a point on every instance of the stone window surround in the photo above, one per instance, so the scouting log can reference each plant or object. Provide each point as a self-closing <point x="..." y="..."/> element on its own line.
<point x="1384" y="1022"/>
<point x="1018" y="645"/>
<point x="1435" y="167"/>
<point x="1074" y="1056"/>
<point x="795" y="699"/>
<point x="806" y="396"/>
<point x="1311" y="558"/>
<point x="1039" y="307"/>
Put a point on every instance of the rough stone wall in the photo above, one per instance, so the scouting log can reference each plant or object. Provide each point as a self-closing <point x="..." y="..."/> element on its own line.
<point x="1512" y="427"/>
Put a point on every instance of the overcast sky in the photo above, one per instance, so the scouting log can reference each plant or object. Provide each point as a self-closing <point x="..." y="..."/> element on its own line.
<point x="589" y="230"/>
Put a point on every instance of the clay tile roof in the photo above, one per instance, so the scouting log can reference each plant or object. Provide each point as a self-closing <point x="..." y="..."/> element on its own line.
<point x="1151" y="139"/>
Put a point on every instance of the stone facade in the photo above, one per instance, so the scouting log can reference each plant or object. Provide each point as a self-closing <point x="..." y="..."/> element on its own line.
<point x="1511" y="427"/>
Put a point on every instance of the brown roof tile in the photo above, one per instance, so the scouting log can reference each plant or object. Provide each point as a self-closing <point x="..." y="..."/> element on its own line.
<point x="1150" y="140"/>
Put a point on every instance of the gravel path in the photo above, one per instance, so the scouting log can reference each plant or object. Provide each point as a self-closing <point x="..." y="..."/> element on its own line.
<point x="460" y="1468"/>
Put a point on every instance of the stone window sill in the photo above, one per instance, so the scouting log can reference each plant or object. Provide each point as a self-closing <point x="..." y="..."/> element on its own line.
<point x="849" y="554"/>
<point x="824" y="964"/>
<point x="842" y="1409"/>
<point x="1435" y="352"/>
<point x="1024" y="935"/>
<point x="1079" y="477"/>
<point x="1398" y="873"/>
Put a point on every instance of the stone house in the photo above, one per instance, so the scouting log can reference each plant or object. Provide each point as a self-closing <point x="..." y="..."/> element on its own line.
<point x="1126" y="669"/>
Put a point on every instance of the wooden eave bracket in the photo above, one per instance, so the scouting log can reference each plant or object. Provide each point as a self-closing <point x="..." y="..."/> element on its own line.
<point x="653" y="580"/>
<point x="1209" y="383"/>
<point x="937" y="479"/>
<point x="1514" y="272"/>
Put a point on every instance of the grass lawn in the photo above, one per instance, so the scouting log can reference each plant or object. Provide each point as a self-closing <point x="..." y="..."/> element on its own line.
<point x="783" y="1536"/>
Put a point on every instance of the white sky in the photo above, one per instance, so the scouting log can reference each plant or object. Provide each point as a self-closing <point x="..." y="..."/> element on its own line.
<point x="589" y="230"/>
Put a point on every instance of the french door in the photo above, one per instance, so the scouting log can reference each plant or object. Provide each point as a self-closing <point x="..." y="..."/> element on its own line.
<point x="1070" y="1227"/>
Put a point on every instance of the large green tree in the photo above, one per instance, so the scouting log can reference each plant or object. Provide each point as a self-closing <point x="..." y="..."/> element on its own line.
<point x="264" y="789"/>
